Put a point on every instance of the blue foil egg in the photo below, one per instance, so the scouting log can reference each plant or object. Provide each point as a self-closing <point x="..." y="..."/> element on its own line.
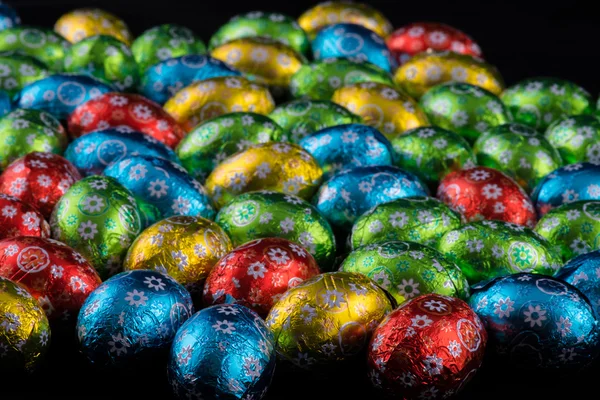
<point x="352" y="41"/>
<point x="567" y="184"/>
<point x="161" y="81"/>
<point x="93" y="152"/>
<point x="5" y="103"/>
<point x="8" y="17"/>
<point x="583" y="272"/>
<point x="60" y="94"/>
<point x="222" y="352"/>
<point x="350" y="193"/>
<point x="347" y="146"/>
<point x="132" y="317"/>
<point x="537" y="321"/>
<point x="162" y="184"/>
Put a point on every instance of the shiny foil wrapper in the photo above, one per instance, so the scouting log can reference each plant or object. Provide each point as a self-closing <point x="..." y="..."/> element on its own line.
<point x="281" y="167"/>
<point x="21" y="219"/>
<point x="349" y="40"/>
<point x="184" y="247"/>
<point x="162" y="184"/>
<point x="583" y="273"/>
<point x="320" y="79"/>
<point x="99" y="218"/>
<point x="350" y="193"/>
<point x="537" y="322"/>
<point x="430" y="347"/>
<point x="464" y="109"/>
<point x="213" y="141"/>
<point x="270" y="214"/>
<point x="39" y="43"/>
<point x="326" y="13"/>
<point x="15" y="64"/>
<point x="25" y="131"/>
<point x="164" y="79"/>
<point x="60" y="94"/>
<point x="327" y="319"/>
<point x="518" y="151"/>
<point x="417" y="219"/>
<point x="382" y="107"/>
<point x="565" y="185"/>
<point x="264" y="24"/>
<point x="212" y="97"/>
<point x="347" y="146"/>
<point x="576" y="138"/>
<point x="132" y="318"/>
<point x="164" y="42"/>
<point x="115" y="110"/>
<point x="222" y="352"/>
<point x="431" y="153"/>
<point x="5" y="103"/>
<point x="300" y="118"/>
<point x="484" y="193"/>
<point x="106" y="58"/>
<point x="429" y="37"/>
<point x="39" y="179"/>
<point x="538" y="102"/>
<point x="57" y="276"/>
<point x="24" y="329"/>
<point x="258" y="273"/>
<point x="407" y="270"/>
<point x="488" y="249"/>
<point x="93" y="152"/>
<point x="573" y="228"/>
<point x="424" y="71"/>
<point x="9" y="18"/>
<point x="79" y="24"/>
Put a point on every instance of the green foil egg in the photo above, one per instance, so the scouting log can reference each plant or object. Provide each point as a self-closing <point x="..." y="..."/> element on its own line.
<point x="519" y="151"/>
<point x="538" y="102"/>
<point x="417" y="219"/>
<point x="462" y="108"/>
<point x="265" y="214"/>
<point x="407" y="270"/>
<point x="18" y="71"/>
<point x="577" y="138"/>
<point x="99" y="218"/>
<point x="488" y="249"/>
<point x="44" y="45"/>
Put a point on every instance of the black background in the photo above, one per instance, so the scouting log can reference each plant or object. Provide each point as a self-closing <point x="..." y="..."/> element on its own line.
<point x="523" y="39"/>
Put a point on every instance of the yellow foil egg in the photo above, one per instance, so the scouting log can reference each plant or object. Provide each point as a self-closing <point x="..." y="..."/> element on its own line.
<point x="327" y="319"/>
<point x="329" y="13"/>
<point x="210" y="98"/>
<point x="383" y="107"/>
<point x="425" y="70"/>
<point x="79" y="24"/>
<point x="261" y="60"/>
<point x="279" y="167"/>
<point x="184" y="247"/>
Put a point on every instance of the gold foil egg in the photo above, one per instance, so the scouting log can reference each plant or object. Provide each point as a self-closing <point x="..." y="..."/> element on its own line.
<point x="383" y="107"/>
<point x="79" y="24"/>
<point x="425" y="70"/>
<point x="210" y="98"/>
<point x="184" y="247"/>
<point x="280" y="167"/>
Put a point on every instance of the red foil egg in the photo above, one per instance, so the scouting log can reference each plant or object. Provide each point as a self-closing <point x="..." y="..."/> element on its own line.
<point x="429" y="348"/>
<point x="125" y="110"/>
<point x="429" y="36"/>
<point x="257" y="274"/>
<point x="20" y="219"/>
<point x="484" y="193"/>
<point x="56" y="275"/>
<point x="39" y="179"/>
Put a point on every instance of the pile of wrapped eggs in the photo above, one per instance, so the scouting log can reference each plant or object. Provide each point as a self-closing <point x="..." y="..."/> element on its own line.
<point x="324" y="190"/>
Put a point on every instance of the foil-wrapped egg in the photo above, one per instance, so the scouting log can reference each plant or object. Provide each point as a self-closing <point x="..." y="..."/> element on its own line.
<point x="79" y="24"/>
<point x="235" y="361"/>
<point x="5" y="103"/>
<point x="417" y="219"/>
<point x="537" y="322"/>
<point x="538" y="102"/>
<point x="9" y="18"/>
<point x="42" y="44"/>
<point x="132" y="319"/>
<point x="407" y="269"/>
<point x="576" y="138"/>
<point x="258" y="273"/>
<point x="583" y="273"/>
<point x="263" y="214"/>
<point x="39" y="179"/>
<point x="282" y="167"/>
<point x="19" y="71"/>
<point x="21" y="219"/>
<point x="488" y="249"/>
